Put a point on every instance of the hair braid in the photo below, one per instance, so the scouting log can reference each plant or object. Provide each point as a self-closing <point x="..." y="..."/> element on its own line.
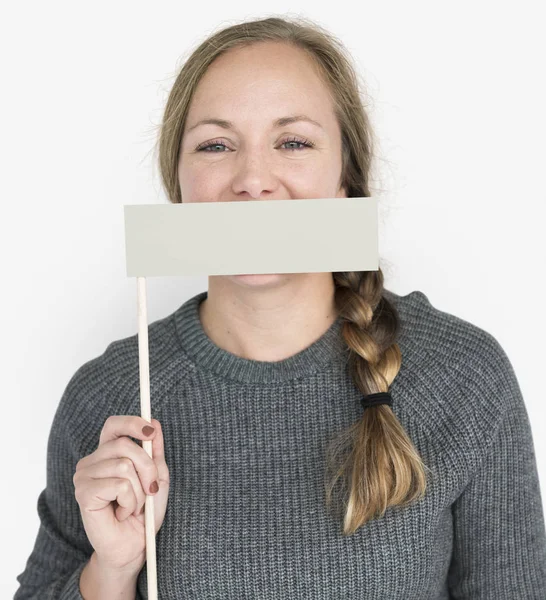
<point x="374" y="458"/>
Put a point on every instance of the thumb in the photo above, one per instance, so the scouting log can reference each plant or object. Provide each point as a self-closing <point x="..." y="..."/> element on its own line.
<point x="158" y="450"/>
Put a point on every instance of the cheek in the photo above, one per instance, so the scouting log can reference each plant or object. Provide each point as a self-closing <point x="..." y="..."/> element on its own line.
<point x="310" y="180"/>
<point x="200" y="182"/>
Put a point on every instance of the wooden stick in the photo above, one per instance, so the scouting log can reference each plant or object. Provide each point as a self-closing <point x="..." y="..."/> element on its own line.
<point x="146" y="413"/>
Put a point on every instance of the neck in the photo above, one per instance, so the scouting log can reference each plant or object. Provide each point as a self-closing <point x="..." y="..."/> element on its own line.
<point x="268" y="317"/>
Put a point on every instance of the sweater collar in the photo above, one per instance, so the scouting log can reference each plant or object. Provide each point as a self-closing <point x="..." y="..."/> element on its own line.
<point x="327" y="351"/>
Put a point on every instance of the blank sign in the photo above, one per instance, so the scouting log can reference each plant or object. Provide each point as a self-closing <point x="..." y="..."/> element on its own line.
<point x="251" y="237"/>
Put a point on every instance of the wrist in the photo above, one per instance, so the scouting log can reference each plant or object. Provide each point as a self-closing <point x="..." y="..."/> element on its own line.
<point x="109" y="573"/>
<point x="98" y="581"/>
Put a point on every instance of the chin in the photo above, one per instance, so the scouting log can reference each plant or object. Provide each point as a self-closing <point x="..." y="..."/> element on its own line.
<point x="257" y="278"/>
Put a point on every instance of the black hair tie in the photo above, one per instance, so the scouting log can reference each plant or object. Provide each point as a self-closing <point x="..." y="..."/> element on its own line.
<point x="374" y="399"/>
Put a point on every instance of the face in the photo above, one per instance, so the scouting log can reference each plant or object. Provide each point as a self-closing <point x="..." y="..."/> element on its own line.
<point x="251" y="155"/>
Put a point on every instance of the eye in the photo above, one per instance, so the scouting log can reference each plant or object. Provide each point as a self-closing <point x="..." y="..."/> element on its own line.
<point x="303" y="142"/>
<point x="215" y="144"/>
<point x="209" y="145"/>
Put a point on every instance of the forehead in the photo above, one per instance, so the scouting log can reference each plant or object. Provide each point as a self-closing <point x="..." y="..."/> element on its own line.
<point x="264" y="77"/>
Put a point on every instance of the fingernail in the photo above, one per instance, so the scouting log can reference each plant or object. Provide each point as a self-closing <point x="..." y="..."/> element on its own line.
<point x="154" y="488"/>
<point x="147" y="430"/>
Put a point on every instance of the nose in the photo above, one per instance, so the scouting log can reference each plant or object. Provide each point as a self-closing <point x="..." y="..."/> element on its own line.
<point x="254" y="176"/>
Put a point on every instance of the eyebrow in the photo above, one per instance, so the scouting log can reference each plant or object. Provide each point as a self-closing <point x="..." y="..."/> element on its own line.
<point x="278" y="123"/>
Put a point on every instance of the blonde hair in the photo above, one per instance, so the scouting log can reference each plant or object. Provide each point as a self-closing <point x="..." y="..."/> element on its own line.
<point x="374" y="459"/>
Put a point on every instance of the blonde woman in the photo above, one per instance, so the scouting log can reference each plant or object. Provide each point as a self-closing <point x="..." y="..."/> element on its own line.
<point x="272" y="479"/>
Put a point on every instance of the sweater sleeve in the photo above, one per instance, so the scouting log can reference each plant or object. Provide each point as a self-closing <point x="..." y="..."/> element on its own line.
<point x="62" y="549"/>
<point x="499" y="544"/>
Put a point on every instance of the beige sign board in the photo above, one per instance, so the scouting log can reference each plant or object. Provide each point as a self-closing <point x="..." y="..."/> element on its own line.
<point x="251" y="237"/>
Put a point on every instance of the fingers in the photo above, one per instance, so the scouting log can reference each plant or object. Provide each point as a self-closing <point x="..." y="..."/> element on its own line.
<point x="94" y="494"/>
<point x="117" y="426"/>
<point x="119" y="457"/>
<point x="114" y="468"/>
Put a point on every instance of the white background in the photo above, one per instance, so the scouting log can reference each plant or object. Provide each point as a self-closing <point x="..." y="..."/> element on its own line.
<point x="457" y="93"/>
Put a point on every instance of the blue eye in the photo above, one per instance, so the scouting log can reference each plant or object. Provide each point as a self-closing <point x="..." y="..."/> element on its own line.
<point x="303" y="142"/>
<point x="201" y="148"/>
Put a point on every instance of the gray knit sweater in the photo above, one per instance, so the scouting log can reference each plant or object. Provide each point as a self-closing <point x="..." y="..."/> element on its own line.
<point x="245" y="442"/>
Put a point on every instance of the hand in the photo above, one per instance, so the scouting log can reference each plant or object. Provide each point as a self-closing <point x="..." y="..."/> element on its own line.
<point x="111" y="486"/>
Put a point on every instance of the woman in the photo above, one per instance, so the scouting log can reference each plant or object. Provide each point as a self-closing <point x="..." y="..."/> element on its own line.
<point x="274" y="479"/>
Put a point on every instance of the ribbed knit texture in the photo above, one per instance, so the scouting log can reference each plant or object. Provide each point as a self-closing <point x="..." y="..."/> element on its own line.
<point x="245" y="444"/>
